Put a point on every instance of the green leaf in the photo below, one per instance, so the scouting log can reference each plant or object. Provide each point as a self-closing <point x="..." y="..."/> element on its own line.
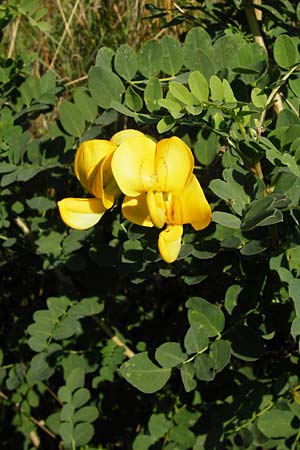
<point x="231" y="297"/>
<point x="172" y="55"/>
<point x="169" y="355"/>
<point x="234" y="52"/>
<point x="126" y="62"/>
<point x="104" y="57"/>
<point x="142" y="442"/>
<point x="165" y="124"/>
<point x="216" y="88"/>
<point x="66" y="328"/>
<point x="254" y="247"/>
<point x="83" y="433"/>
<point x="66" y="432"/>
<point x="195" y="339"/>
<point x="158" y="426"/>
<point x="182" y="436"/>
<point x="199" y="86"/>
<point x="71" y="119"/>
<point x="58" y="305"/>
<point x="226" y="219"/>
<point x="294" y="293"/>
<point x="285" y="51"/>
<point x="220" y="352"/>
<point x="133" y="99"/>
<point x="75" y="379"/>
<point x="122" y="109"/>
<point x="174" y="108"/>
<point x="64" y="394"/>
<point x="86" y="307"/>
<point x="276" y="423"/>
<point x="67" y="412"/>
<point x="209" y="316"/>
<point x="181" y="93"/>
<point x="105" y="86"/>
<point x="206" y="147"/>
<point x="143" y="374"/>
<point x="187" y="372"/>
<point x="80" y="397"/>
<point x="40" y="203"/>
<point x="198" y="52"/>
<point x="258" y="98"/>
<point x="205" y="367"/>
<point x="85" y="104"/>
<point x="153" y="92"/>
<point x="150" y="58"/>
<point x="228" y="92"/>
<point x="295" y="327"/>
<point x="86" y="414"/>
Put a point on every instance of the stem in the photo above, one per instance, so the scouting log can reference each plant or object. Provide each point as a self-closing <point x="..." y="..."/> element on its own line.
<point x="38" y="423"/>
<point x="273" y="94"/>
<point x="251" y="16"/>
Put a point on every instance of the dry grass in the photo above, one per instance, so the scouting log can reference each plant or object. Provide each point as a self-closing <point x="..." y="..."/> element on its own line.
<point x="78" y="28"/>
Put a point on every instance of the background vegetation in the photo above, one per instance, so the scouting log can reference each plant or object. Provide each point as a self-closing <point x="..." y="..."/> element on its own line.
<point x="103" y="345"/>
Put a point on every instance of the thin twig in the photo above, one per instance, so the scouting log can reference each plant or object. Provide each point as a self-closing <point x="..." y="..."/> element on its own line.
<point x="70" y="83"/>
<point x="63" y="35"/>
<point x="38" y="423"/>
<point x="67" y="27"/>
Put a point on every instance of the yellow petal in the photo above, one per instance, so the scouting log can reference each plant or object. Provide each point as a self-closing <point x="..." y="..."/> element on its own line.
<point x="81" y="213"/>
<point x="104" y="185"/>
<point x="135" y="209"/>
<point x="88" y="159"/>
<point x="121" y="136"/>
<point x="169" y="242"/>
<point x="191" y="206"/>
<point x="133" y="165"/>
<point x="174" y="163"/>
<point x="157" y="208"/>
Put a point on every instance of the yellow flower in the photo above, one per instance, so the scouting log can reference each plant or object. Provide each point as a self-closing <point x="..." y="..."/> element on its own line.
<point x="93" y="169"/>
<point x="160" y="188"/>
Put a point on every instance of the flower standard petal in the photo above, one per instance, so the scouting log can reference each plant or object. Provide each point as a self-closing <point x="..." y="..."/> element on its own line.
<point x="135" y="209"/>
<point x="81" y="213"/>
<point x="191" y="206"/>
<point x="122" y="135"/>
<point x="174" y="163"/>
<point x="133" y="165"/>
<point x="169" y="242"/>
<point x="88" y="160"/>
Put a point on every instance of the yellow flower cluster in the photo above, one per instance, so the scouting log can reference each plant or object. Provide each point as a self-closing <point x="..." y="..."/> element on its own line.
<point x="157" y="180"/>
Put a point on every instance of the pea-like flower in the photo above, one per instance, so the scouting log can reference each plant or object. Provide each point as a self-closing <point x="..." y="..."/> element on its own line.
<point x="93" y="169"/>
<point x="160" y="188"/>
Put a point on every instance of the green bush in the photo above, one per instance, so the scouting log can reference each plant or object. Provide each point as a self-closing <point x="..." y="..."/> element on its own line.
<point x="105" y="345"/>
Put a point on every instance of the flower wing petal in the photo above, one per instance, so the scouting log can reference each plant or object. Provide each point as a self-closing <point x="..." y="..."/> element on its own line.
<point x="135" y="209"/>
<point x="81" y="213"/>
<point x="133" y="165"/>
<point x="169" y="242"/>
<point x="191" y="206"/>
<point x="174" y="163"/>
<point x="88" y="159"/>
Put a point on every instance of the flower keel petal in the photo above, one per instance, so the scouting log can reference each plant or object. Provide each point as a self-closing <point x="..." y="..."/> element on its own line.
<point x="169" y="242"/>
